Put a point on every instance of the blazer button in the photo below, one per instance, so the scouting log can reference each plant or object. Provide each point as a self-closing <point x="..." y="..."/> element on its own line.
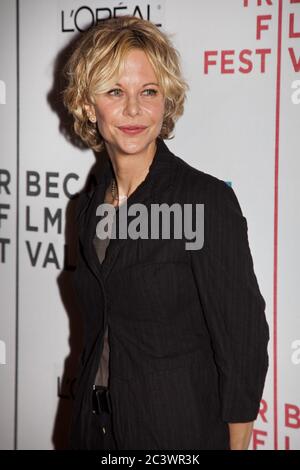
<point x="103" y="429"/>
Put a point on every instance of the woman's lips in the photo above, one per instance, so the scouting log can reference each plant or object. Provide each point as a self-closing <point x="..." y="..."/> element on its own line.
<point x="132" y="130"/>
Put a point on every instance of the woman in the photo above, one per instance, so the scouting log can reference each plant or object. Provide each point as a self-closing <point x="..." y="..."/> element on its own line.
<point x="175" y="353"/>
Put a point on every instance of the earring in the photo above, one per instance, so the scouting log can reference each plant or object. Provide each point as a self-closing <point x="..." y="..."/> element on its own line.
<point x="92" y="118"/>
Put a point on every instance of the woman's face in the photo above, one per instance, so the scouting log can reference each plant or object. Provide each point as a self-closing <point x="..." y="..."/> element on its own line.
<point x="136" y="100"/>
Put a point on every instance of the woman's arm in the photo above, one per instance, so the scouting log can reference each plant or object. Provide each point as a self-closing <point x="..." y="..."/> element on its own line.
<point x="240" y="435"/>
<point x="233" y="306"/>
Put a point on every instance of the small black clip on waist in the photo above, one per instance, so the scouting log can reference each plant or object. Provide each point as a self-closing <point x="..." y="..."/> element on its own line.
<point x="101" y="400"/>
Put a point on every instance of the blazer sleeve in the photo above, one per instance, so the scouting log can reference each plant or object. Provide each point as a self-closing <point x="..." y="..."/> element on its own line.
<point x="233" y="306"/>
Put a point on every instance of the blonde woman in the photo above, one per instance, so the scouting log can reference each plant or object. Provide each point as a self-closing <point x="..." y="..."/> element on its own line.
<point x="175" y="353"/>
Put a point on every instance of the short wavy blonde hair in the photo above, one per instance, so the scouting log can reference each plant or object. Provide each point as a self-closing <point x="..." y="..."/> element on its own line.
<point x="96" y="60"/>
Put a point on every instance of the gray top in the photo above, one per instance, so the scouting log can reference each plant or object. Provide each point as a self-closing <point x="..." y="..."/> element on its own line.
<point x="103" y="369"/>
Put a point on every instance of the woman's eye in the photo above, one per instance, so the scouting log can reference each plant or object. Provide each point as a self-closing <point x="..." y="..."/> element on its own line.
<point x="151" y="90"/>
<point x="115" y="89"/>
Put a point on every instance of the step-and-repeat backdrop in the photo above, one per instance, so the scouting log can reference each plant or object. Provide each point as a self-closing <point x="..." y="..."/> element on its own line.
<point x="241" y="124"/>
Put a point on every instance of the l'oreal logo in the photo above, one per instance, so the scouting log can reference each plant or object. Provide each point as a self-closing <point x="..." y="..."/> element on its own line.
<point x="84" y="17"/>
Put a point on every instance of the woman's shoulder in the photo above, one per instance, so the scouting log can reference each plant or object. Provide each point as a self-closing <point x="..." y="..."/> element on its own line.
<point x="196" y="185"/>
<point x="198" y="181"/>
<point x="82" y="199"/>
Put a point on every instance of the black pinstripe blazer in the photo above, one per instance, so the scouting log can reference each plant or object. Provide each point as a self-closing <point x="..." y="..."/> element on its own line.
<point x="187" y="328"/>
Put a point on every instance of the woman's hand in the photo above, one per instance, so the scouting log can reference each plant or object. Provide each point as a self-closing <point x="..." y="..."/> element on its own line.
<point x="240" y="435"/>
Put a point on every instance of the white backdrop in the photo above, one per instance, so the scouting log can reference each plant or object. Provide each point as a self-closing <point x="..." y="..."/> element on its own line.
<point x="241" y="124"/>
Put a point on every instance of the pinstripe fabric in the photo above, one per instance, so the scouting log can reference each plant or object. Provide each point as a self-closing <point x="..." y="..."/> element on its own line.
<point x="188" y="333"/>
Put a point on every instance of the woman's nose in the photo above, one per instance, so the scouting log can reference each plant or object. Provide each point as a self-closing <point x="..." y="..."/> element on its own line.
<point x="132" y="106"/>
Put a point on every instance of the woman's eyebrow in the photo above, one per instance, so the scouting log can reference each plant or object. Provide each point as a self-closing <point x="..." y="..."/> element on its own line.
<point x="150" y="83"/>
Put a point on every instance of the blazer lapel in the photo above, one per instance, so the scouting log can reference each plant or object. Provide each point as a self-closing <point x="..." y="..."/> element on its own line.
<point x="160" y="176"/>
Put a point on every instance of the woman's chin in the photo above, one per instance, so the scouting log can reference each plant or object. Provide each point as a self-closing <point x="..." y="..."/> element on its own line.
<point x="132" y="146"/>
